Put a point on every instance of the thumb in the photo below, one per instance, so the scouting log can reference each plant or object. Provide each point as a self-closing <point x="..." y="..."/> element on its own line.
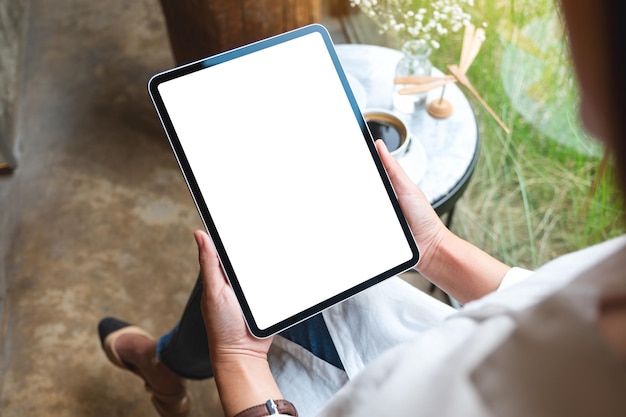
<point x="213" y="278"/>
<point x="399" y="178"/>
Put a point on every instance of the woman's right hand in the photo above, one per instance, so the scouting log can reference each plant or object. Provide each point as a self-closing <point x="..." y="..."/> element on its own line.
<point x="427" y="227"/>
<point x="457" y="267"/>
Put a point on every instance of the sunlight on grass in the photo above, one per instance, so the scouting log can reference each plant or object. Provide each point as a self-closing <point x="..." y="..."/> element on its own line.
<point x="532" y="196"/>
<point x="529" y="199"/>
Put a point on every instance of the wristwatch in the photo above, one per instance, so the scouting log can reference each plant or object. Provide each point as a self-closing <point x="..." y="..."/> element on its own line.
<point x="271" y="407"/>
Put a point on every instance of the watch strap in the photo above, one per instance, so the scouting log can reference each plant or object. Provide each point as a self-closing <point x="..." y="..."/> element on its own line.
<point x="269" y="408"/>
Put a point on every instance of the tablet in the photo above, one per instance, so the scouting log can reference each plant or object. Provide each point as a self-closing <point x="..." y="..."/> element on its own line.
<point x="285" y="176"/>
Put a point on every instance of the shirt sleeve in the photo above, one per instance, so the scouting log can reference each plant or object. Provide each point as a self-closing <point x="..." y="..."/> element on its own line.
<point x="514" y="276"/>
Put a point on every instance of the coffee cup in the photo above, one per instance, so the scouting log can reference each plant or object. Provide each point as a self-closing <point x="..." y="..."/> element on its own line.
<point x="383" y="124"/>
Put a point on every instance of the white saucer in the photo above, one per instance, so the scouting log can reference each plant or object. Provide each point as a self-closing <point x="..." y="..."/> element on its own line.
<point x="414" y="161"/>
<point x="357" y="89"/>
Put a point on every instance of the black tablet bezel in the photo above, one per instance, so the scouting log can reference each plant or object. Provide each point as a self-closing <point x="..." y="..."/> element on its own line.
<point x="204" y="211"/>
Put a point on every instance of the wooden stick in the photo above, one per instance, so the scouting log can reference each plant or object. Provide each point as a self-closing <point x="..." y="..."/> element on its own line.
<point x="464" y="81"/>
<point x="468" y="35"/>
<point x="477" y="41"/>
<point x="420" y="79"/>
<point x="422" y="88"/>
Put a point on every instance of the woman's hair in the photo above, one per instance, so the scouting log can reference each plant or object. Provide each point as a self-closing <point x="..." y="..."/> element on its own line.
<point x="596" y="36"/>
<point x="616" y="30"/>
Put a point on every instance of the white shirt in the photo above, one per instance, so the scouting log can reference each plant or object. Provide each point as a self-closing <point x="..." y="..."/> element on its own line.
<point x="426" y="358"/>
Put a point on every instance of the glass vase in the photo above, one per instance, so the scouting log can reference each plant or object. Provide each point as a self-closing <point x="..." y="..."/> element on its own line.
<point x="415" y="62"/>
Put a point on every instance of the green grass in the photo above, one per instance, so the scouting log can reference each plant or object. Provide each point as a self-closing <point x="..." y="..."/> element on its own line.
<point x="531" y="198"/>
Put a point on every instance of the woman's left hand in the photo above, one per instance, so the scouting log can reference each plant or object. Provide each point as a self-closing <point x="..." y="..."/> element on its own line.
<point x="242" y="373"/>
<point x="229" y="337"/>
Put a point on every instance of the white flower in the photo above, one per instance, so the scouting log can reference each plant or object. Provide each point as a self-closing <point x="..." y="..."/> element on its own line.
<point x="427" y="20"/>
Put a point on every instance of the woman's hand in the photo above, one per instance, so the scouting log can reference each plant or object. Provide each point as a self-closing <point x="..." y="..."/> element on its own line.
<point x="239" y="360"/>
<point x="457" y="267"/>
<point x="428" y="229"/>
<point x="226" y="330"/>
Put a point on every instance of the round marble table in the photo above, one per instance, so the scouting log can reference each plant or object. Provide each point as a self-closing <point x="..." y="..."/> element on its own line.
<point x="444" y="152"/>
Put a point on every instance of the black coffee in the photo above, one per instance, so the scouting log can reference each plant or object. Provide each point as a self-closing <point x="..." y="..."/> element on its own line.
<point x="387" y="132"/>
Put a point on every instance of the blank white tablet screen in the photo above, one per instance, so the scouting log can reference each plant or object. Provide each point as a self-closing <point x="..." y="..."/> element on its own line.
<point x="287" y="176"/>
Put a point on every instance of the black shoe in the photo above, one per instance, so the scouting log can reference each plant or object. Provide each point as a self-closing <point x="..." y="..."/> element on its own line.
<point x="167" y="405"/>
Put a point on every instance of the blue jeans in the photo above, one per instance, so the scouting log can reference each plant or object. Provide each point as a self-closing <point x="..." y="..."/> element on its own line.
<point x="185" y="348"/>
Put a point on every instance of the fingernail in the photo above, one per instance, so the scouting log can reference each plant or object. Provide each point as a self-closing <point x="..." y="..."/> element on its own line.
<point x="198" y="238"/>
<point x="384" y="145"/>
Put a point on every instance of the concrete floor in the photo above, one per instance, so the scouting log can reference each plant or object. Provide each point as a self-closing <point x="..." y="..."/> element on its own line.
<point x="96" y="220"/>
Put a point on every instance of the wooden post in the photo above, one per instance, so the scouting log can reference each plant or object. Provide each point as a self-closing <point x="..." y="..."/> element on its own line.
<point x="200" y="28"/>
